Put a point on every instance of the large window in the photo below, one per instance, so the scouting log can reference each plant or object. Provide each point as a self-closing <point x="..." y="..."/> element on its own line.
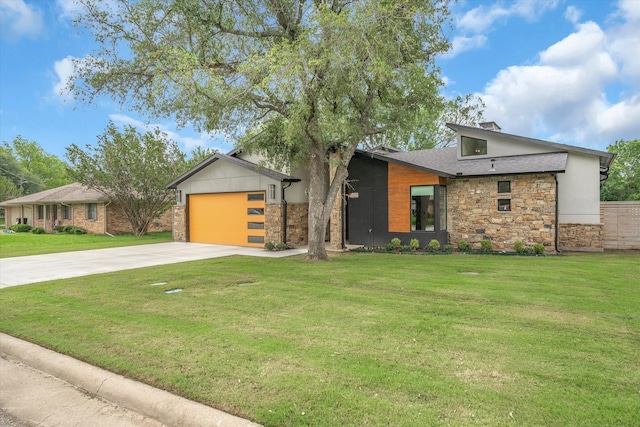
<point x="473" y="146"/>
<point x="423" y="208"/>
<point x="91" y="211"/>
<point x="40" y="212"/>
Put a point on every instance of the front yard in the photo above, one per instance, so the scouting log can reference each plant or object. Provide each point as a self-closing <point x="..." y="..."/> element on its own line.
<point x="23" y="244"/>
<point x="366" y="340"/>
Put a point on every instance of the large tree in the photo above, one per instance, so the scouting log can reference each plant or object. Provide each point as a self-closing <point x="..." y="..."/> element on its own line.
<point x="131" y="169"/>
<point x="624" y="174"/>
<point x="309" y="80"/>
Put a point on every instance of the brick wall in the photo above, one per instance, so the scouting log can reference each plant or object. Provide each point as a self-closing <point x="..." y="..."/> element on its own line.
<point x="117" y="222"/>
<point x="179" y="221"/>
<point x="297" y="223"/>
<point x="95" y="226"/>
<point x="473" y="211"/>
<point x="581" y="237"/>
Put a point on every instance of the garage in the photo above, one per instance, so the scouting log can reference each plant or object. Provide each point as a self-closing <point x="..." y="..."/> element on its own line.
<point x="227" y="218"/>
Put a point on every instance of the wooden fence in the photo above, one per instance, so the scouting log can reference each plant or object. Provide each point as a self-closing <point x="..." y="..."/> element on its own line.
<point x="621" y="224"/>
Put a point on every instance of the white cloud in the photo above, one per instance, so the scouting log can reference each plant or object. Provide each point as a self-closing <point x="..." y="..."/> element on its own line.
<point x="18" y="19"/>
<point x="573" y="14"/>
<point x="481" y="18"/>
<point x="564" y="95"/>
<point x="462" y="44"/>
<point x="63" y="70"/>
<point x="202" y="139"/>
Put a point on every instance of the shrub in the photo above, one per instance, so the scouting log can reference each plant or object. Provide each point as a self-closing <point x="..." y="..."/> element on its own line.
<point x="414" y="244"/>
<point x="77" y="230"/>
<point x="21" y="228"/>
<point x="538" y="248"/>
<point x="433" y="246"/>
<point x="269" y="246"/>
<point x="486" y="245"/>
<point x="59" y="228"/>
<point x="447" y="249"/>
<point x="38" y="230"/>
<point x="518" y="247"/>
<point x="281" y="246"/>
<point x="395" y="243"/>
<point x="68" y="228"/>
<point x="464" y="246"/>
<point x="405" y="248"/>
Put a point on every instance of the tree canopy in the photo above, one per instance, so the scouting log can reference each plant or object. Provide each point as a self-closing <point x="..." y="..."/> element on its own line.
<point x="25" y="168"/>
<point x="131" y="169"/>
<point x="624" y="174"/>
<point x="296" y="80"/>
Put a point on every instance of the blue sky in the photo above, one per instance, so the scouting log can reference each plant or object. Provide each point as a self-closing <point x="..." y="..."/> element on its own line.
<point x="561" y="70"/>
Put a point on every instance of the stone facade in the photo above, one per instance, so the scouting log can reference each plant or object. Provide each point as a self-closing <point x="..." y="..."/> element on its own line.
<point x="297" y="223"/>
<point x="179" y="223"/>
<point x="581" y="237"/>
<point x="473" y="213"/>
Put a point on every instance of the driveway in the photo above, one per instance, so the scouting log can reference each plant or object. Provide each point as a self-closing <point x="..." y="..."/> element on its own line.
<point x="39" y="268"/>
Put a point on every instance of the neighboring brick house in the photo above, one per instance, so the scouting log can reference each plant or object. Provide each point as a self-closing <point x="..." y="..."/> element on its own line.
<point x="76" y="205"/>
<point x="492" y="185"/>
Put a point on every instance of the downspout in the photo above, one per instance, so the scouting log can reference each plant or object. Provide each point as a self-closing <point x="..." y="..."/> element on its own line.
<point x="105" y="219"/>
<point x="344" y="216"/>
<point x="557" y="236"/>
<point x="284" y="214"/>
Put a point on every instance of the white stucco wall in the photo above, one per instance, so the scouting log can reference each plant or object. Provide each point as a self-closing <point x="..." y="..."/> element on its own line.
<point x="579" y="190"/>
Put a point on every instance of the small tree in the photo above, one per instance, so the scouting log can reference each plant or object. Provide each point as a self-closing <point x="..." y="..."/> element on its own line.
<point x="132" y="170"/>
<point x="624" y="174"/>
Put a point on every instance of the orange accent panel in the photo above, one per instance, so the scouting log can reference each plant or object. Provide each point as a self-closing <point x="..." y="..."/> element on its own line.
<point x="400" y="179"/>
<point x="223" y="218"/>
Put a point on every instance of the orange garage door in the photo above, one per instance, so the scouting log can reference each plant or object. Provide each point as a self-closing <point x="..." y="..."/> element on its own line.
<point x="227" y="218"/>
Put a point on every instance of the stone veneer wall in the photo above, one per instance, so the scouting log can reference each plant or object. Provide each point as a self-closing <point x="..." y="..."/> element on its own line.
<point x="179" y="227"/>
<point x="472" y="211"/>
<point x="581" y="237"/>
<point x="297" y="223"/>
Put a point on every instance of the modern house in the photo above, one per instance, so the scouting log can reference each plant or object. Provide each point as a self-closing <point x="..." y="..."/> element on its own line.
<point x="73" y="204"/>
<point x="492" y="185"/>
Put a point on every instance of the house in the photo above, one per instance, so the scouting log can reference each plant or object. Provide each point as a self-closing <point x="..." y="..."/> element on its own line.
<point x="492" y="185"/>
<point x="73" y="204"/>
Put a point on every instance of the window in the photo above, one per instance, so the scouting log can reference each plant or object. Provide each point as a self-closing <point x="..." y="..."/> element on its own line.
<point x="91" y="211"/>
<point x="504" y="186"/>
<point x="48" y="211"/>
<point x="40" y="212"/>
<point x="255" y="225"/>
<point x="255" y="211"/>
<point x="504" y="205"/>
<point x="256" y="239"/>
<point x="66" y="212"/>
<point x="422" y="208"/>
<point x="443" y="208"/>
<point x="473" y="146"/>
<point x="254" y="197"/>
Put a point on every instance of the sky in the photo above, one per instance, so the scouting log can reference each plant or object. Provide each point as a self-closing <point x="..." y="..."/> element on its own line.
<point x="566" y="71"/>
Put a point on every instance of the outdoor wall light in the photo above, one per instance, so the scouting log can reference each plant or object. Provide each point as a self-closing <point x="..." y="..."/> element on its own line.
<point x="272" y="191"/>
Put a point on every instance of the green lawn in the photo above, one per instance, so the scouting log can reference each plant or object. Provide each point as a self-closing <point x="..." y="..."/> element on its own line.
<point x="368" y="339"/>
<point x="22" y="244"/>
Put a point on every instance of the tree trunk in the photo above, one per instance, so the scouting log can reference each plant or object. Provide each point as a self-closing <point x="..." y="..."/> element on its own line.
<point x="317" y="200"/>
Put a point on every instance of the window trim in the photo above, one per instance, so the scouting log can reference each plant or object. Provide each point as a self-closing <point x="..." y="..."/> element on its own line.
<point x="66" y="212"/>
<point x="89" y="214"/>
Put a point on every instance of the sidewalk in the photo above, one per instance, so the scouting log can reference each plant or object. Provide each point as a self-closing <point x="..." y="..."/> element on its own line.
<point x="46" y="388"/>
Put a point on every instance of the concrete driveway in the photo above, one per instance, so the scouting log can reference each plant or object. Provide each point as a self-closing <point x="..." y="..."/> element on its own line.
<point x="39" y="268"/>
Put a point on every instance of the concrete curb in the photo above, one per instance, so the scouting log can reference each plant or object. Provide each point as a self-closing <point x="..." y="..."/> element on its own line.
<point x="154" y="403"/>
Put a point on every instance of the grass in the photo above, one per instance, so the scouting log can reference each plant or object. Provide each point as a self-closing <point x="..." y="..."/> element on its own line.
<point x="23" y="244"/>
<point x="366" y="340"/>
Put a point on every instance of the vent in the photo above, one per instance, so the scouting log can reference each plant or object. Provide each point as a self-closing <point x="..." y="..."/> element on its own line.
<point x="490" y="126"/>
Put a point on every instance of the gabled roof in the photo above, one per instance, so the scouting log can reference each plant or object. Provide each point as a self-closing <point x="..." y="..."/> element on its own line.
<point x="70" y="193"/>
<point x="235" y="160"/>
<point x="605" y="157"/>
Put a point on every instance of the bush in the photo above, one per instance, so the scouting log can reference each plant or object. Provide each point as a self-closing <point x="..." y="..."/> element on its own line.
<point x="518" y="247"/>
<point x="414" y="244"/>
<point x="464" y="246"/>
<point x="395" y="243"/>
<point x="447" y="249"/>
<point x="68" y="228"/>
<point x="38" y="230"/>
<point x="59" y="228"/>
<point x="21" y="228"/>
<point x="486" y="245"/>
<point x="281" y="246"/>
<point x="77" y="230"/>
<point x="269" y="246"/>
<point x="538" y="248"/>
<point x="433" y="246"/>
